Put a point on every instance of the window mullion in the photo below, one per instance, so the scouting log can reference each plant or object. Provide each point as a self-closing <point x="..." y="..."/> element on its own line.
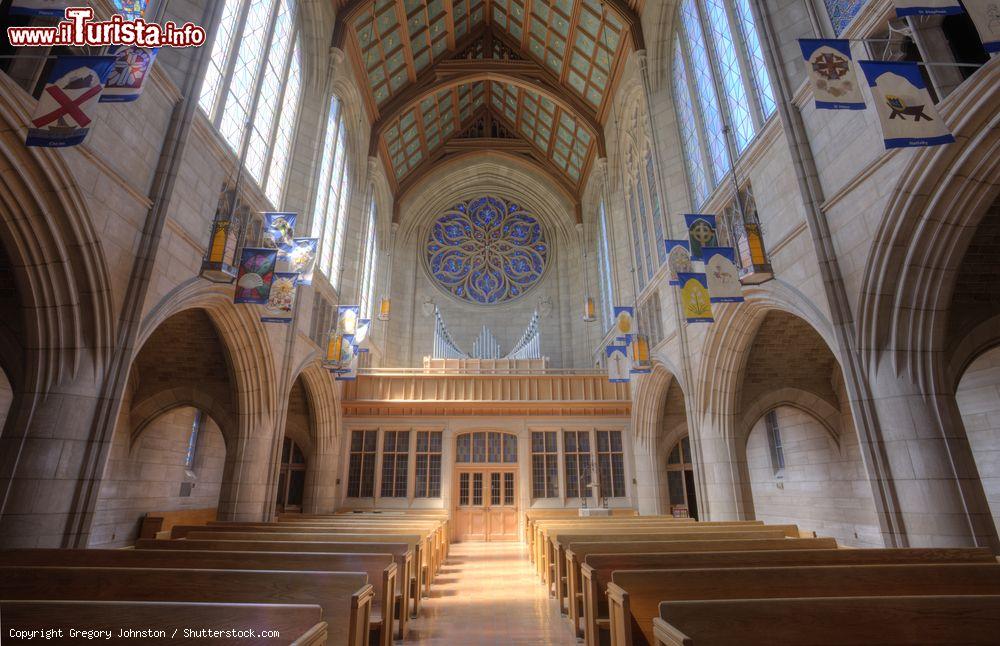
<point x="748" y="78"/>
<point x="721" y="98"/>
<point x="262" y="69"/>
<point x="701" y="129"/>
<point x="234" y="53"/>
<point x="279" y="108"/>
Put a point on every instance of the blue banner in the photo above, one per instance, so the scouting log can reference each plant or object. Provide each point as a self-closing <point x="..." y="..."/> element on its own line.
<point x="618" y="363"/>
<point x="927" y="7"/>
<point x="722" y="274"/>
<point x="904" y="106"/>
<point x="128" y="74"/>
<point x="64" y="113"/>
<point x="701" y="232"/>
<point x="678" y="258"/>
<point x="831" y="74"/>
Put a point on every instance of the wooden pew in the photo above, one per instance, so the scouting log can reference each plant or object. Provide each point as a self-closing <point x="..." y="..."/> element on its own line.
<point x="852" y="621"/>
<point x="155" y="522"/>
<point x="539" y="527"/>
<point x="297" y="624"/>
<point x="345" y="597"/>
<point x="547" y="535"/>
<point x="634" y="596"/>
<point x="402" y="553"/>
<point x="437" y="530"/>
<point x="279" y="532"/>
<point x="555" y="573"/>
<point x="531" y="516"/>
<point x="597" y="567"/>
<point x="586" y="581"/>
<point x="380" y="568"/>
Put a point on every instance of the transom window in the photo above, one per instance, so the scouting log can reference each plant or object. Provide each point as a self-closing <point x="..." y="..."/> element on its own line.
<point x="486" y="447"/>
<point x="719" y="78"/>
<point x="254" y="79"/>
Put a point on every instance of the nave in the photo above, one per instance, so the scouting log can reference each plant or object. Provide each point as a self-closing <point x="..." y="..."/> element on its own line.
<point x="375" y="579"/>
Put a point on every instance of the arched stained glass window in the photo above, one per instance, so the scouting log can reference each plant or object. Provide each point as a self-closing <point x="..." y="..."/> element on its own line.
<point x="369" y="262"/>
<point x="256" y="54"/>
<point x="694" y="158"/>
<point x="486" y="251"/>
<point x="708" y="103"/>
<point x="329" y="221"/>
<point x="719" y="78"/>
<point x="604" y="266"/>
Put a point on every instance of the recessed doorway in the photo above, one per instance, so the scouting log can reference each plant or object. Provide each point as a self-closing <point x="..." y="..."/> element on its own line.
<point x="486" y="487"/>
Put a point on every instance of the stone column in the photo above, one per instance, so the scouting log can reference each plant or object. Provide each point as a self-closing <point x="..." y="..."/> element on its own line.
<point x="930" y="466"/>
<point x="726" y="493"/>
<point x="48" y="435"/>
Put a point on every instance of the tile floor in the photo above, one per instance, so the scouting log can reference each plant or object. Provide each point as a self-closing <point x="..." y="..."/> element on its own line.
<point x="487" y="594"/>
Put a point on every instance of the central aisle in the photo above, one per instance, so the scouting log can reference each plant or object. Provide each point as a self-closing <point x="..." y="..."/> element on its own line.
<point x="487" y="593"/>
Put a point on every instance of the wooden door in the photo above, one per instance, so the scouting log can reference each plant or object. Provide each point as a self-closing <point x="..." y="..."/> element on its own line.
<point x="486" y="508"/>
<point x="502" y="512"/>
<point x="470" y="515"/>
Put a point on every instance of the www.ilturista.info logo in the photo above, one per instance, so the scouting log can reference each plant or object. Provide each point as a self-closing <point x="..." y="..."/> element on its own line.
<point x="79" y="29"/>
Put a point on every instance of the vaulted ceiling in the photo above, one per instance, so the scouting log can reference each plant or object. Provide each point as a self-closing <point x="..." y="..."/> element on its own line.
<point x="529" y="78"/>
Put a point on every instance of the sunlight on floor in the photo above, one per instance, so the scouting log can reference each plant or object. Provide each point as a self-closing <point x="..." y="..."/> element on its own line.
<point x="487" y="593"/>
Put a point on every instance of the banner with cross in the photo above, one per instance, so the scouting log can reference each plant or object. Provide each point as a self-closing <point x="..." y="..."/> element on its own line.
<point x="63" y="116"/>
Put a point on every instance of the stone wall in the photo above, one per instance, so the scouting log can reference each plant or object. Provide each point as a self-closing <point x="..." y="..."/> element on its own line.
<point x="823" y="488"/>
<point x="979" y="401"/>
<point x="146" y="474"/>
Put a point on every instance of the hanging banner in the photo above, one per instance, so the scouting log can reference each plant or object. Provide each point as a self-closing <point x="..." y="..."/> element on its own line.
<point x="701" y="233"/>
<point x="618" y="364"/>
<point x="131" y="9"/>
<point x="985" y="16"/>
<point x="678" y="258"/>
<point x="339" y="350"/>
<point x="905" y="108"/>
<point x="281" y="300"/>
<point x="361" y="335"/>
<point x="831" y="74"/>
<point x="347" y="319"/>
<point x="256" y="274"/>
<point x="302" y="259"/>
<point x="128" y="74"/>
<point x="723" y="275"/>
<point x="639" y="355"/>
<point x="350" y="371"/>
<point x="55" y="8"/>
<point x="695" y="299"/>
<point x="927" y="7"/>
<point x="63" y="115"/>
<point x="624" y="319"/>
<point x="279" y="229"/>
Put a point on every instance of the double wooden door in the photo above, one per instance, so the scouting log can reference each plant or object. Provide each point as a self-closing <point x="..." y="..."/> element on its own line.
<point x="486" y="507"/>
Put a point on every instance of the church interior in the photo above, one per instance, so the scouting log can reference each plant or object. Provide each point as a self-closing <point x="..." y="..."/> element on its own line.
<point x="469" y="322"/>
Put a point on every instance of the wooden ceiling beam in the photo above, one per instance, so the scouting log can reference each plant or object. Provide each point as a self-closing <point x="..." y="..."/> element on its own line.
<point x="346" y="14"/>
<point x="511" y="72"/>
<point x="449" y="11"/>
<point x="404" y="38"/>
<point x="631" y="20"/>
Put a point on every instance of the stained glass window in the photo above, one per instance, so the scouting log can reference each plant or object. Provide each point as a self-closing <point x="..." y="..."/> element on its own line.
<point x="131" y="9"/>
<point x="370" y="260"/>
<point x="719" y="78"/>
<point x="842" y="12"/>
<point x="606" y="286"/>
<point x="255" y="54"/>
<point x="486" y="251"/>
<point x="329" y="212"/>
<point x="693" y="159"/>
<point x="729" y="71"/>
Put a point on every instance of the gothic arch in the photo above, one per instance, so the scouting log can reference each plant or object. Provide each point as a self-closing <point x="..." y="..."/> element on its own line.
<point x="56" y="255"/>
<point x="826" y="414"/>
<point x="942" y="195"/>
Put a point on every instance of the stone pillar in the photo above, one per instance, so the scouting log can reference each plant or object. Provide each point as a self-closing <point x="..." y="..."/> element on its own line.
<point x="246" y="492"/>
<point x="647" y="479"/>
<point x="726" y="493"/>
<point x="930" y="466"/>
<point x="46" y="439"/>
